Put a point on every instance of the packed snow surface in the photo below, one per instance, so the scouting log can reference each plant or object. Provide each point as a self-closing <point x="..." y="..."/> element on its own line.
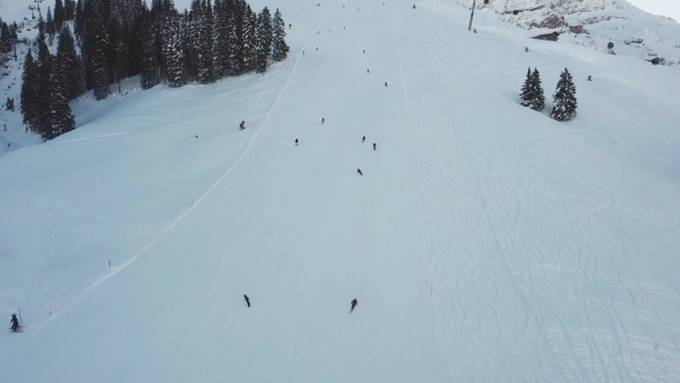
<point x="484" y="242"/>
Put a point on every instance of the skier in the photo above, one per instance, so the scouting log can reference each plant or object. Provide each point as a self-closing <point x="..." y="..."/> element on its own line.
<point x="360" y="172"/>
<point x="590" y="77"/>
<point x="385" y="84"/>
<point x="363" y="139"/>
<point x="526" y="49"/>
<point x="368" y="71"/>
<point x="297" y="142"/>
<point x="14" y="323"/>
<point x="242" y="125"/>
<point x="353" y="305"/>
<point x="414" y="6"/>
<point x="247" y="299"/>
<point x="375" y="147"/>
<point x="323" y="119"/>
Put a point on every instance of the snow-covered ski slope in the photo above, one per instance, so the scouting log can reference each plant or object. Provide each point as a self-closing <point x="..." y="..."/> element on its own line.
<point x="484" y="242"/>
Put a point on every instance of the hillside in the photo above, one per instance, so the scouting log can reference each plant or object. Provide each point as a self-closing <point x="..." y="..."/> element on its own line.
<point x="484" y="242"/>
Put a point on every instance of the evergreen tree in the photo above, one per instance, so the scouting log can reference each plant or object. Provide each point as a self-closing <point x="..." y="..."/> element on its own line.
<point x="42" y="83"/>
<point x="527" y="93"/>
<point x="59" y="15"/>
<point x="205" y="44"/>
<point x="59" y="117"/>
<point x="279" y="47"/>
<point x="173" y="53"/>
<point x="539" y="97"/>
<point x="5" y="38"/>
<point x="150" y="65"/>
<point x="264" y="40"/>
<point x="564" y="99"/>
<point x="220" y="39"/>
<point x="532" y="91"/>
<point x="49" y="24"/>
<point x="249" y="42"/>
<point x="69" y="10"/>
<point x="28" y="92"/>
<point x="99" y="61"/>
<point x="69" y="64"/>
<point x="233" y="46"/>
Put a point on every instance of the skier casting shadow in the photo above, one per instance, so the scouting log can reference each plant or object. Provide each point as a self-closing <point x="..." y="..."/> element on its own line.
<point x="14" y="322"/>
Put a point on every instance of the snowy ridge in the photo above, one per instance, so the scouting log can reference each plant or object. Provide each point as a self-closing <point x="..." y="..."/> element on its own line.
<point x="595" y="23"/>
<point x="484" y="242"/>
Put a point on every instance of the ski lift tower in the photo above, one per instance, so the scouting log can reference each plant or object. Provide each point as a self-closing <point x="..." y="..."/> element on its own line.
<point x="472" y="14"/>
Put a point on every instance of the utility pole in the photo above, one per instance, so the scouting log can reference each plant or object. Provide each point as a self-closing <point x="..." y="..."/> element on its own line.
<point x="472" y="14"/>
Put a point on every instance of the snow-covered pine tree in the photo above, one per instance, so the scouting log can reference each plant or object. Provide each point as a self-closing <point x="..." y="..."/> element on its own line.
<point x="5" y="38"/>
<point x="173" y="54"/>
<point x="220" y="38"/>
<point x="539" y="97"/>
<point x="150" y="65"/>
<point x="29" y="95"/>
<point x="49" y="23"/>
<point x="60" y="119"/>
<point x="564" y="99"/>
<point x="43" y="71"/>
<point x="234" y="60"/>
<point x="264" y="39"/>
<point x="59" y="15"/>
<point x="249" y="44"/>
<point x="279" y="47"/>
<point x="99" y="61"/>
<point x="68" y="63"/>
<point x="527" y="93"/>
<point x="69" y="10"/>
<point x="205" y="44"/>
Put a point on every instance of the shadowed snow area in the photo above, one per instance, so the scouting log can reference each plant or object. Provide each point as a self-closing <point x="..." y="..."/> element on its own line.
<point x="484" y="242"/>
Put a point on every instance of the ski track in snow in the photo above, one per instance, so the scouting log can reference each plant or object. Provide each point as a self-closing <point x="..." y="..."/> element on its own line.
<point x="191" y="207"/>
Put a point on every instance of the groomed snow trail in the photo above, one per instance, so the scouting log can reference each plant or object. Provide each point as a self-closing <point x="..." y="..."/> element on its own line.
<point x="484" y="242"/>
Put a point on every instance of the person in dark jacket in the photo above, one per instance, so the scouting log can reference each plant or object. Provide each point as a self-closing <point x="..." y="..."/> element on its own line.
<point x="353" y="305"/>
<point x="14" y="323"/>
<point x="363" y="139"/>
<point x="375" y="147"/>
<point x="360" y="172"/>
<point x="242" y="125"/>
<point x="247" y="299"/>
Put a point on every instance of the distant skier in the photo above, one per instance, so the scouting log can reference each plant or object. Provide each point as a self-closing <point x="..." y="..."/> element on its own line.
<point x="368" y="71"/>
<point x="360" y="172"/>
<point x="353" y="305"/>
<point x="375" y="147"/>
<point x="385" y="84"/>
<point x="242" y="125"/>
<point x="526" y="49"/>
<point x="590" y="77"/>
<point x="323" y="119"/>
<point x="247" y="299"/>
<point x="14" y="322"/>
<point x="414" y="6"/>
<point x="297" y="142"/>
<point x="363" y="139"/>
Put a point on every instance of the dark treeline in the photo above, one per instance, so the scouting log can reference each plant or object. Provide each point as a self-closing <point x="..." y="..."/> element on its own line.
<point x="116" y="39"/>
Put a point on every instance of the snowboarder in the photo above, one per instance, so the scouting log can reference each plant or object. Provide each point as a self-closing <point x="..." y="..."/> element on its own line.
<point x="297" y="142"/>
<point x="363" y="139"/>
<point x="353" y="305"/>
<point x="242" y="125"/>
<point x="14" y="323"/>
<point x="375" y="147"/>
<point x="323" y="119"/>
<point x="360" y="172"/>
<point x="247" y="299"/>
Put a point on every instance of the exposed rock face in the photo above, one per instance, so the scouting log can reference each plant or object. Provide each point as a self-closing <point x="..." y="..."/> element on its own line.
<point x="595" y="23"/>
